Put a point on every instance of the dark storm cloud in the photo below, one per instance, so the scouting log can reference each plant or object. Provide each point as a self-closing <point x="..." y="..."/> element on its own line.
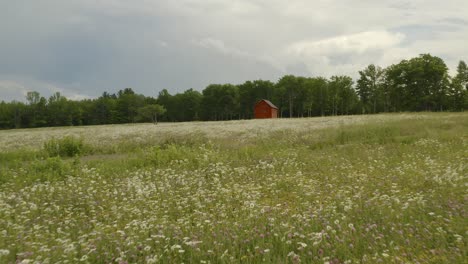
<point x="83" y="48"/>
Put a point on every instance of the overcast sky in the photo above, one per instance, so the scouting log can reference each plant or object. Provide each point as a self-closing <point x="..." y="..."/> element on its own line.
<point x="82" y="48"/>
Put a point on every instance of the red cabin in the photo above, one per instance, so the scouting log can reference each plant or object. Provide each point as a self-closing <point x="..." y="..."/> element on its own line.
<point x="265" y="109"/>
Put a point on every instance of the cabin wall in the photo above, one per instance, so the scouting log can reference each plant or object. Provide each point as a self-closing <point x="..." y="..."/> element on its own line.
<point x="274" y="113"/>
<point x="263" y="110"/>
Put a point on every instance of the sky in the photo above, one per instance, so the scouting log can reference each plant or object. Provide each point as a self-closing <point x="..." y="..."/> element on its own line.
<point x="82" y="48"/>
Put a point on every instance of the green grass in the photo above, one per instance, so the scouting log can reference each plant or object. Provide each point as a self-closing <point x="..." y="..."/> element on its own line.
<point x="392" y="191"/>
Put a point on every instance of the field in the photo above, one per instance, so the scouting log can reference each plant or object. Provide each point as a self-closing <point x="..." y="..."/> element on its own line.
<point x="386" y="188"/>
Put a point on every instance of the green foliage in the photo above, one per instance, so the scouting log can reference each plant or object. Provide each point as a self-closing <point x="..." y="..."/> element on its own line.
<point x="127" y="106"/>
<point x="151" y="112"/>
<point x="170" y="155"/>
<point x="50" y="169"/>
<point x="458" y="92"/>
<point x="33" y="169"/>
<point x="343" y="96"/>
<point x="184" y="106"/>
<point x="291" y="86"/>
<point x="68" y="146"/>
<point x="370" y="89"/>
<point x="417" y="84"/>
<point x="220" y="102"/>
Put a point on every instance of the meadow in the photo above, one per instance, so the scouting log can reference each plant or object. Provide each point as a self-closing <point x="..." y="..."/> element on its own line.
<point x="388" y="188"/>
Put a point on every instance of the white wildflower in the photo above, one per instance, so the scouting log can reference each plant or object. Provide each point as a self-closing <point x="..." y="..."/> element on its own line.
<point x="4" y="252"/>
<point x="176" y="247"/>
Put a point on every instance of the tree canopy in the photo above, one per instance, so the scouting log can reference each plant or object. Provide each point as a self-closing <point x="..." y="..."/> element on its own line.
<point x="422" y="83"/>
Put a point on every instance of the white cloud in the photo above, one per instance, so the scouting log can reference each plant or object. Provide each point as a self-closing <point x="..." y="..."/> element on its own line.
<point x="355" y="43"/>
<point x="221" y="47"/>
<point x="162" y="43"/>
<point x="16" y="88"/>
<point x="218" y="45"/>
<point x="343" y="54"/>
<point x="11" y="90"/>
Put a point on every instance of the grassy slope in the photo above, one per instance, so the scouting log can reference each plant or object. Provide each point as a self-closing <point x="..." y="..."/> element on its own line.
<point x="389" y="188"/>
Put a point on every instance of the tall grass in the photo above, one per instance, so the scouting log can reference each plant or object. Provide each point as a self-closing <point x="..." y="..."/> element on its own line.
<point x="68" y="146"/>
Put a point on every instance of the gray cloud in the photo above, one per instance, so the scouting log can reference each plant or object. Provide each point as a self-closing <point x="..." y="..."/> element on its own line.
<point x="85" y="47"/>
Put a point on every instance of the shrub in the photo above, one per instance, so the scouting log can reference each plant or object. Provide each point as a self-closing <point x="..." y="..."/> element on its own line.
<point x="50" y="169"/>
<point x="68" y="146"/>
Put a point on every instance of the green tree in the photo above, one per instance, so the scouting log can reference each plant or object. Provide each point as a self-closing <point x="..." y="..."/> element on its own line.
<point x="280" y="99"/>
<point x="319" y="96"/>
<point x="104" y="110"/>
<point x="6" y="115"/>
<point x="33" y="99"/>
<point x="303" y="102"/>
<point x="462" y="74"/>
<point x="88" y="115"/>
<point x="18" y="112"/>
<point x="127" y="105"/>
<point x="418" y="84"/>
<point x="342" y="95"/>
<point x="370" y="88"/>
<point x="290" y="84"/>
<point x="40" y="118"/>
<point x="458" y="91"/>
<point x="151" y="112"/>
<point x="58" y="113"/>
<point x="220" y="102"/>
<point x="166" y="100"/>
<point x="190" y="102"/>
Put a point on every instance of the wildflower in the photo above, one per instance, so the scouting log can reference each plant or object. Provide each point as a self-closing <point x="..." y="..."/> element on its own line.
<point x="152" y="260"/>
<point x="176" y="247"/>
<point x="295" y="258"/>
<point x="4" y="252"/>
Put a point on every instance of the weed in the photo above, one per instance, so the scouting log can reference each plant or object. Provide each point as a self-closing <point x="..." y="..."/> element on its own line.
<point x="68" y="146"/>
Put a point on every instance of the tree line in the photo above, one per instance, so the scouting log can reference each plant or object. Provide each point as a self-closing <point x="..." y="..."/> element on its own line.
<point x="422" y="83"/>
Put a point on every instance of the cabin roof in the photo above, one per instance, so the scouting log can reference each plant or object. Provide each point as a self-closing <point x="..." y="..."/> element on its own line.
<point x="269" y="103"/>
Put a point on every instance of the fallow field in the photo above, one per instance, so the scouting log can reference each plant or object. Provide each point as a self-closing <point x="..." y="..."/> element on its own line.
<point x="386" y="188"/>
